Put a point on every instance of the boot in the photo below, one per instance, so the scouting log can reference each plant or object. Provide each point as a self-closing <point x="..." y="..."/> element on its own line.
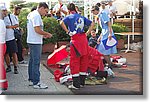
<point x="82" y="80"/>
<point x="76" y="83"/>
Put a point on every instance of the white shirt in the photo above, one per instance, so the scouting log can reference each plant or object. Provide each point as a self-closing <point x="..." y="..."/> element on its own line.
<point x="57" y="7"/>
<point x="10" y="32"/>
<point x="2" y="32"/>
<point x="34" y="20"/>
<point x="16" y="17"/>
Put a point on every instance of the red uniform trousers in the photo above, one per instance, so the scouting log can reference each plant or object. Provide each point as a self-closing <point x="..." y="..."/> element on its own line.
<point x="79" y="54"/>
<point x="3" y="81"/>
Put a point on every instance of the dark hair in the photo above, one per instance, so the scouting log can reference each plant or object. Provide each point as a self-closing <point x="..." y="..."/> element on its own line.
<point x="17" y="8"/>
<point x="98" y="4"/>
<point x="42" y="4"/>
<point x="71" y="7"/>
<point x="33" y="8"/>
<point x="95" y="8"/>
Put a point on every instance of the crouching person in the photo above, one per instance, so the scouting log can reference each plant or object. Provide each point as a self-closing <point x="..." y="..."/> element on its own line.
<point x="78" y="45"/>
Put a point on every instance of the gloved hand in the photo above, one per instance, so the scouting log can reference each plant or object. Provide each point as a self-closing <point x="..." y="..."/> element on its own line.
<point x="72" y="33"/>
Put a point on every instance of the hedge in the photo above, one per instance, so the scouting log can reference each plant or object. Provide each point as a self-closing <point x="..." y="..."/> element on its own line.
<point x="52" y="25"/>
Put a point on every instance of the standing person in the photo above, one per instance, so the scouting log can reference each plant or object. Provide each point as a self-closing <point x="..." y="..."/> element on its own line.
<point x="3" y="81"/>
<point x="78" y="11"/>
<point x="112" y="10"/>
<point x="61" y="8"/>
<point x="11" y="23"/>
<point x="78" y="45"/>
<point x="16" y="12"/>
<point x="35" y="36"/>
<point x="107" y="32"/>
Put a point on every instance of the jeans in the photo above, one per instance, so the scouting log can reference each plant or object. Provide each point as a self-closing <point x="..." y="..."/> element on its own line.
<point x="34" y="63"/>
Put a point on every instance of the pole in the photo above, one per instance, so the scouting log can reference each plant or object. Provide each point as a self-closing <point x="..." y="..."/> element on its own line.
<point x="133" y="10"/>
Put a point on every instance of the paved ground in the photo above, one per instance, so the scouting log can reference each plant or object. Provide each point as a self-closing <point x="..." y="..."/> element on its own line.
<point x="18" y="84"/>
<point x="127" y="81"/>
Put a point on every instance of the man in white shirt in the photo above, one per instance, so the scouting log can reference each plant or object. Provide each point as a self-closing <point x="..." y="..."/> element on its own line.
<point x="35" y="36"/>
<point x="3" y="80"/>
<point x="60" y="7"/>
<point x="11" y="23"/>
<point x="16" y="12"/>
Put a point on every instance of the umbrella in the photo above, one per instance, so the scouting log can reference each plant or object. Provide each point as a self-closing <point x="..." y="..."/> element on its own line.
<point x="58" y="55"/>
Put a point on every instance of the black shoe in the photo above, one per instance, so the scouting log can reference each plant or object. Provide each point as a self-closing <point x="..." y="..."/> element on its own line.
<point x="82" y="80"/>
<point x="16" y="71"/>
<point x="76" y="82"/>
<point x="8" y="69"/>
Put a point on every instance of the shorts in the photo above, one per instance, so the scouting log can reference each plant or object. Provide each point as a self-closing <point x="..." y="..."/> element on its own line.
<point x="11" y="47"/>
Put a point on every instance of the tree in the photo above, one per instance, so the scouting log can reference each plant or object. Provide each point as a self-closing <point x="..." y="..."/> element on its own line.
<point x="14" y="3"/>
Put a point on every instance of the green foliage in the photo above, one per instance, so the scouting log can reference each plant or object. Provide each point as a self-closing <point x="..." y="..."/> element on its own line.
<point x="14" y="3"/>
<point x="23" y="25"/>
<point x="52" y="25"/>
<point x="118" y="28"/>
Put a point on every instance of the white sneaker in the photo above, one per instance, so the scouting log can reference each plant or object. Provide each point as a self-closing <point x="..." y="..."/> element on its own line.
<point x="22" y="62"/>
<point x="40" y="86"/>
<point x="110" y="72"/>
<point x="72" y="87"/>
<point x="81" y="86"/>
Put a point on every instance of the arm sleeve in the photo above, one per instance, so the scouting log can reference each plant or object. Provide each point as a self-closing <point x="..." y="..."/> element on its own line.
<point x="66" y="20"/>
<point x="13" y="19"/>
<point x="2" y="28"/>
<point x="7" y="21"/>
<point x="36" y="20"/>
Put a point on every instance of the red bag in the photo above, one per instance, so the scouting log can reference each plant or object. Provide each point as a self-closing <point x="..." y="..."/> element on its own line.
<point x="57" y="74"/>
<point x="115" y="57"/>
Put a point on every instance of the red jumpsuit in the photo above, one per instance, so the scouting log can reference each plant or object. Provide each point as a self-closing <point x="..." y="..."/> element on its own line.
<point x="79" y="54"/>
<point x="3" y="81"/>
<point x="95" y="60"/>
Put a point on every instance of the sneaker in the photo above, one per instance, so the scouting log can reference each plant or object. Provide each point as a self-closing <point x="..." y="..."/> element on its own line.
<point x="23" y="62"/>
<point x="40" y="86"/>
<point x="30" y="83"/>
<point x="72" y="87"/>
<point x="81" y="86"/>
<point x="16" y="71"/>
<point x="110" y="72"/>
<point x="8" y="69"/>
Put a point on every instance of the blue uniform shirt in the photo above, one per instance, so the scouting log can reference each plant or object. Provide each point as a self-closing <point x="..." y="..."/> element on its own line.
<point x="76" y="22"/>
